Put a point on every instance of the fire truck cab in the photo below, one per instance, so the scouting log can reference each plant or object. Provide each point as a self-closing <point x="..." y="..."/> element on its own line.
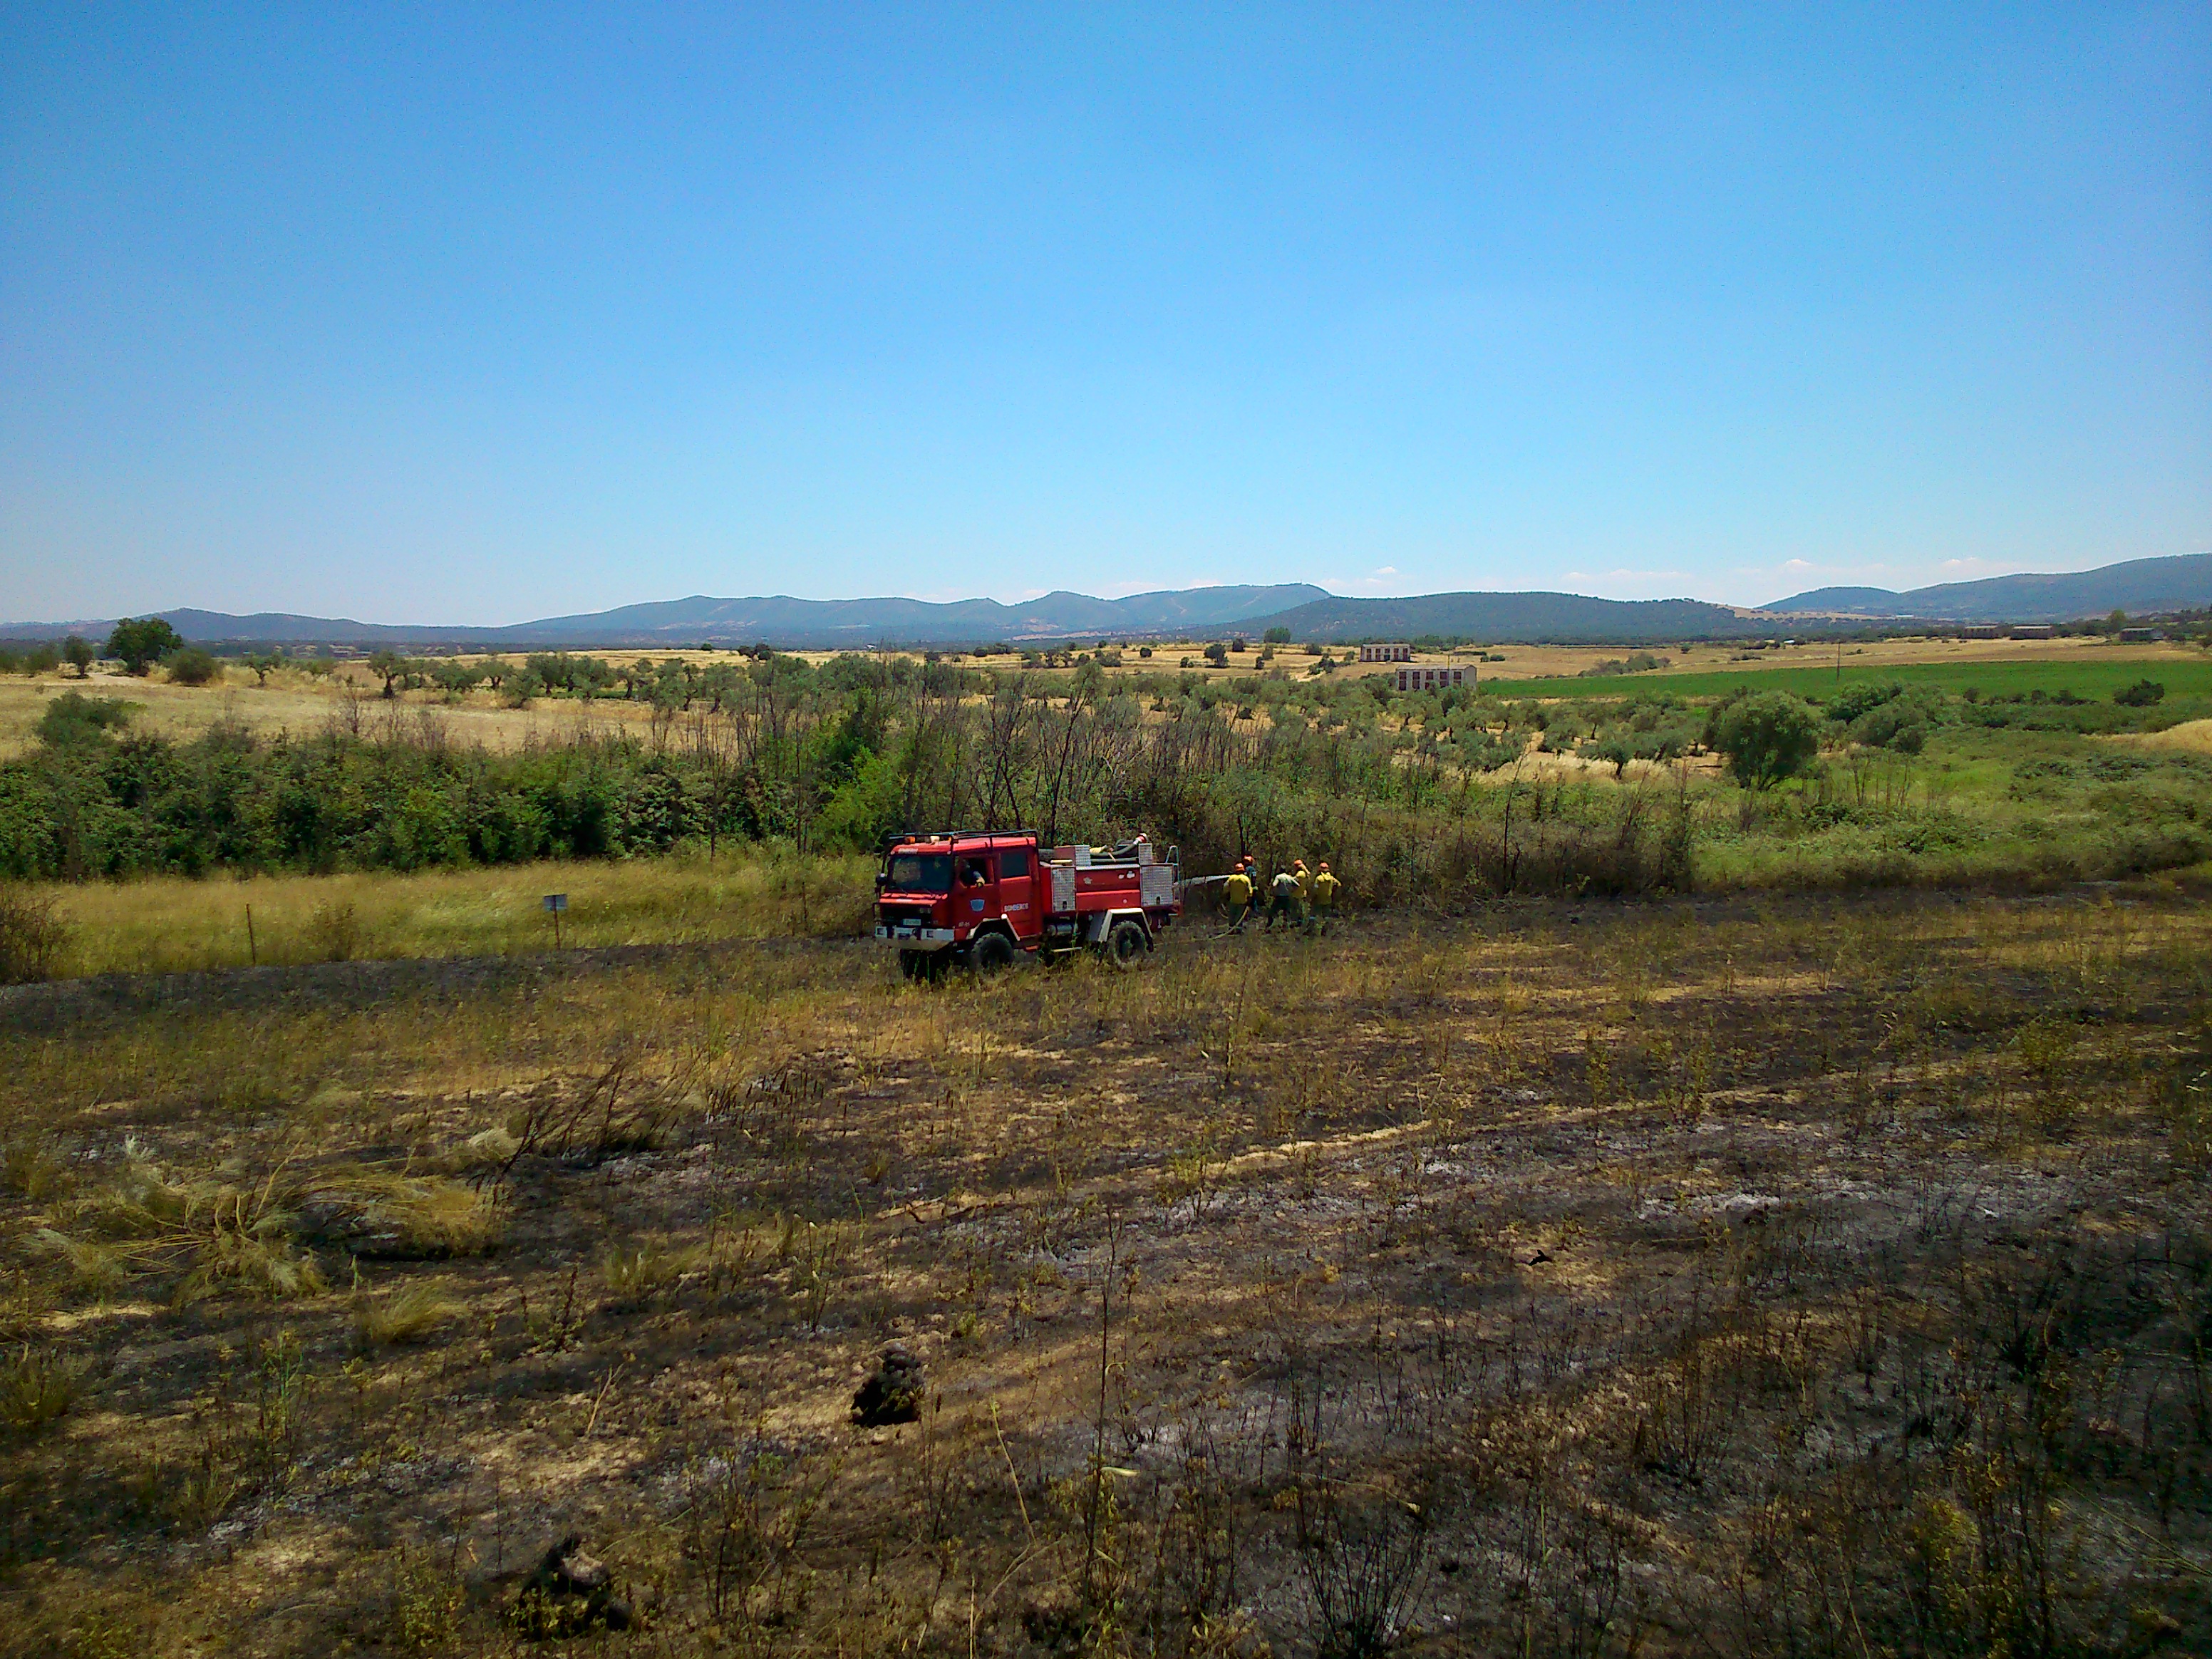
<point x="985" y="898"/>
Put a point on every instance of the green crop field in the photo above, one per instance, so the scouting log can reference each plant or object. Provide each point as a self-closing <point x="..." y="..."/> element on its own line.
<point x="2095" y="678"/>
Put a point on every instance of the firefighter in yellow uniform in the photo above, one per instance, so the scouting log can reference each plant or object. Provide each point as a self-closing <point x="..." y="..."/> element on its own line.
<point x="1282" y="901"/>
<point x="1237" y="897"/>
<point x="1324" y="898"/>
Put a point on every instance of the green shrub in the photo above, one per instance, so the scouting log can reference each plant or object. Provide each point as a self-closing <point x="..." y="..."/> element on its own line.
<point x="73" y="718"/>
<point x="1902" y="722"/>
<point x="2142" y="694"/>
<point x="192" y="667"/>
<point x="1766" y="738"/>
<point x="1853" y="701"/>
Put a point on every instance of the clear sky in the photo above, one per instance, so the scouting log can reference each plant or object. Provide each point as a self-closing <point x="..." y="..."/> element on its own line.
<point x="475" y="314"/>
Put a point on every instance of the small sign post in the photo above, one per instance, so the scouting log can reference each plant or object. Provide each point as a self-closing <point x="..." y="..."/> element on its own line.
<point x="555" y="903"/>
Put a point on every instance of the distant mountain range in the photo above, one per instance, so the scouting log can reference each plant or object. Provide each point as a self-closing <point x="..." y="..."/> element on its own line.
<point x="823" y="623"/>
<point x="1534" y="618"/>
<point x="2182" y="582"/>
<point x="1309" y="612"/>
<point x="792" y="624"/>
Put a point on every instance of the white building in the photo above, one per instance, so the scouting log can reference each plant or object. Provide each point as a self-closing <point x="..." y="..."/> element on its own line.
<point x="1386" y="653"/>
<point x="1430" y="679"/>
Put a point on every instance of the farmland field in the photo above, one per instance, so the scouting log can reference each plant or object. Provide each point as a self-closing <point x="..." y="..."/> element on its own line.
<point x="1655" y="1278"/>
<point x="2183" y="672"/>
<point x="294" y="702"/>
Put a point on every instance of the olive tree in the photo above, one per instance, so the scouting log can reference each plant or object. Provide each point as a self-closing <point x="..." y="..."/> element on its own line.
<point x="391" y="667"/>
<point x="142" y="642"/>
<point x="1766" y="737"/>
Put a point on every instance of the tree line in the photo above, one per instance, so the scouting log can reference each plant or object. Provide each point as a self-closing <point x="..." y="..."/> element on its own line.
<point x="822" y="759"/>
<point x="1414" y="792"/>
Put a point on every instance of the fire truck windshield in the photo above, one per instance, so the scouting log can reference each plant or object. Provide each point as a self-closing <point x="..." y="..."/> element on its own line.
<point x="920" y="872"/>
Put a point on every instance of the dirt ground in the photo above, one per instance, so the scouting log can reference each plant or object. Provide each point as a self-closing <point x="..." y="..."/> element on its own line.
<point x="1813" y="1275"/>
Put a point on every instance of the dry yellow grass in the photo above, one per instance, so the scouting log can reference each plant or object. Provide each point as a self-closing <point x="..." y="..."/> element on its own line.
<point x="408" y="1314"/>
<point x="2192" y="737"/>
<point x="297" y="704"/>
<point x="293" y="701"/>
<point x="174" y="923"/>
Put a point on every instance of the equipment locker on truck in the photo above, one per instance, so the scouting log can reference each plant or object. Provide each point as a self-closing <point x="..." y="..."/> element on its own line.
<point x="983" y="897"/>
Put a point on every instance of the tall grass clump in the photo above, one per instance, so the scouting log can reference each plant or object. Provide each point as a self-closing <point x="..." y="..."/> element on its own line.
<point x="32" y="934"/>
<point x="393" y="1214"/>
<point x="411" y="1315"/>
<point x="37" y="1385"/>
<point x="210" y="1236"/>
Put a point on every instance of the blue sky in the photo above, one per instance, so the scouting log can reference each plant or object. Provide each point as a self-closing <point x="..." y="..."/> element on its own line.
<point x="477" y="314"/>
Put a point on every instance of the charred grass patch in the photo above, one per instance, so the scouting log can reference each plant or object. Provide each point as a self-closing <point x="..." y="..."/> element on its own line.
<point x="1754" y="1276"/>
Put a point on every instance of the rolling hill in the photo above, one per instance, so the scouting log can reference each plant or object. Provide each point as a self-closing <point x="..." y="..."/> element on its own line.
<point x="2139" y="585"/>
<point x="1308" y="612"/>
<point x="792" y="623"/>
<point x="2181" y="582"/>
<point x="1534" y="619"/>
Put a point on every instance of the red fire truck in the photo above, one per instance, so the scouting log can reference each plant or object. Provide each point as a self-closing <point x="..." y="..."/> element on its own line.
<point x="982" y="898"/>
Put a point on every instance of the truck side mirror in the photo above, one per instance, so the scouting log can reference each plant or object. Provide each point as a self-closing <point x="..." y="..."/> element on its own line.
<point x="882" y="881"/>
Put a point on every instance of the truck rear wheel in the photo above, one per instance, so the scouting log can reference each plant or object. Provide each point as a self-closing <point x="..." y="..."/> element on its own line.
<point x="991" y="953"/>
<point x="1126" y="943"/>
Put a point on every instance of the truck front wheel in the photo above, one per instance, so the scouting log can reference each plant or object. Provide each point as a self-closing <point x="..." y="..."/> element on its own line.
<point x="991" y="953"/>
<point x="1126" y="943"/>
